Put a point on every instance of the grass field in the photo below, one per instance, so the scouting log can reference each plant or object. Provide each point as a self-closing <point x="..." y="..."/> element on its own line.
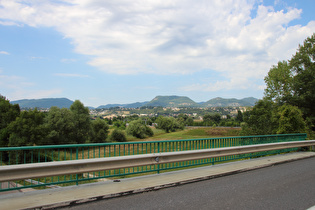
<point x="191" y="133"/>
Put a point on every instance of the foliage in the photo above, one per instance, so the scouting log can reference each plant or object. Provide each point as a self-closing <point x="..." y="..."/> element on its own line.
<point x="260" y="120"/>
<point x="137" y="129"/>
<point x="100" y="131"/>
<point x="119" y="125"/>
<point x="82" y="123"/>
<point x="168" y="124"/>
<point x="28" y="129"/>
<point x="290" y="120"/>
<point x="60" y="123"/>
<point x="185" y="120"/>
<point x="239" y="116"/>
<point x="268" y="117"/>
<point x="118" y="135"/>
<point x="8" y="113"/>
<point x="293" y="82"/>
<point x="211" y="119"/>
<point x="279" y="83"/>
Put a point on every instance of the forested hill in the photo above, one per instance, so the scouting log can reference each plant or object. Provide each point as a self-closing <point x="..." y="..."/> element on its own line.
<point x="44" y="103"/>
<point x="163" y="101"/>
<point x="233" y="102"/>
<point x="172" y="101"/>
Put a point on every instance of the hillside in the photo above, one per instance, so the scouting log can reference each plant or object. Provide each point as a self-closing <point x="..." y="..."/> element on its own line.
<point x="232" y="102"/>
<point x="163" y="101"/>
<point x="133" y="105"/>
<point x="44" y="103"/>
<point x="172" y="101"/>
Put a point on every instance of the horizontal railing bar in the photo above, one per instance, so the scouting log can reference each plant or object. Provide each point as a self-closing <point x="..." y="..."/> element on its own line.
<point x="35" y="170"/>
<point x="142" y="142"/>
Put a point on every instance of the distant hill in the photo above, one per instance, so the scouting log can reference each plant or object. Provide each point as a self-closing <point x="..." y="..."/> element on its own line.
<point x="133" y="105"/>
<point x="44" y="103"/>
<point x="232" y="102"/>
<point x="164" y="101"/>
<point x="172" y="101"/>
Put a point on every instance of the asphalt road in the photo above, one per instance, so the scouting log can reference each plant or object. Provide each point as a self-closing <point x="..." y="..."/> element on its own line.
<point x="286" y="186"/>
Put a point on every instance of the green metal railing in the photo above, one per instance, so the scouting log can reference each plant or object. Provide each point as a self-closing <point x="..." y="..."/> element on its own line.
<point x="36" y="154"/>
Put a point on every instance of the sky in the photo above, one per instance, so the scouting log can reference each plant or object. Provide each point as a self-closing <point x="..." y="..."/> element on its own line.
<point x="124" y="51"/>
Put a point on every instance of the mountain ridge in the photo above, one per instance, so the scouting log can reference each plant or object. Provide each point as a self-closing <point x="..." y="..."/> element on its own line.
<point x="163" y="101"/>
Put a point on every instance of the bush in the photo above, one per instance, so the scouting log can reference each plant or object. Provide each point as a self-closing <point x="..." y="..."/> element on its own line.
<point x="100" y="131"/>
<point x="118" y="135"/>
<point x="168" y="124"/>
<point x="137" y="129"/>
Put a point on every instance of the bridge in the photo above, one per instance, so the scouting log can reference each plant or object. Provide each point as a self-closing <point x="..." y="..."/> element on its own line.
<point x="173" y="154"/>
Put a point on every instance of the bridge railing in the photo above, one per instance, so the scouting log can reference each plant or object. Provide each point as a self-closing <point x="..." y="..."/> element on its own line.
<point x="39" y="154"/>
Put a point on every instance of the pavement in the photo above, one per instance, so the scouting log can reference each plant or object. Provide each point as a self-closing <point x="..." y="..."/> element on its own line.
<point x="65" y="196"/>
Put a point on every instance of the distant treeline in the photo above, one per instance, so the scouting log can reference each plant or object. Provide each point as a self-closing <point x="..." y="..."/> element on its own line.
<point x="75" y="125"/>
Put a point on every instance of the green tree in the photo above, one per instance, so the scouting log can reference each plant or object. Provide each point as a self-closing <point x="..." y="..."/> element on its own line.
<point x="290" y="120"/>
<point x="279" y="83"/>
<point x="207" y="120"/>
<point x="137" y="129"/>
<point x="211" y="119"/>
<point x="239" y="116"/>
<point x="82" y="122"/>
<point x="168" y="124"/>
<point x="184" y="119"/>
<point x="293" y="82"/>
<point x="260" y="120"/>
<point x="8" y="113"/>
<point x="100" y="131"/>
<point x="28" y="129"/>
<point x="118" y="135"/>
<point x="119" y="125"/>
<point x="60" y="126"/>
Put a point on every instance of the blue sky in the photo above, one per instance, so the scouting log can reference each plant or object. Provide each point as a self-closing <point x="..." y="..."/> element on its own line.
<point x="122" y="51"/>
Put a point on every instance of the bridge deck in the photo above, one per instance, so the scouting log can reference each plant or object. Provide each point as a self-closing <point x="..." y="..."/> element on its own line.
<point x="75" y="194"/>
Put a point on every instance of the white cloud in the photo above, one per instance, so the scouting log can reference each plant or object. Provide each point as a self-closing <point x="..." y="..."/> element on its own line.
<point x="71" y="75"/>
<point x="4" y="53"/>
<point x="170" y="36"/>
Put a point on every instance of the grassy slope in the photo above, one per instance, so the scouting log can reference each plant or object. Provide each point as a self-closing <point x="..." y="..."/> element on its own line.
<point x="193" y="133"/>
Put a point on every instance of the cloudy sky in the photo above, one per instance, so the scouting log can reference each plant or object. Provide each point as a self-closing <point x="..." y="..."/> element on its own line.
<point x="125" y="51"/>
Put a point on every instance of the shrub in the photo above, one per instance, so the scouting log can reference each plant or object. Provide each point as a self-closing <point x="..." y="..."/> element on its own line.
<point x="118" y="135"/>
<point x="137" y="129"/>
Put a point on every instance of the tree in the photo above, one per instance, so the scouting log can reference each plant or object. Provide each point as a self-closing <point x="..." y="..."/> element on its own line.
<point x="293" y="82"/>
<point x="28" y="129"/>
<point x="239" y="116"/>
<point x="60" y="126"/>
<point x="100" y="131"/>
<point x="261" y="119"/>
<point x="118" y="135"/>
<point x="185" y="120"/>
<point x="279" y="83"/>
<point x="210" y="119"/>
<point x="137" y="129"/>
<point x="303" y="67"/>
<point x="8" y="113"/>
<point x="290" y="120"/>
<point x="168" y="124"/>
<point x="82" y="123"/>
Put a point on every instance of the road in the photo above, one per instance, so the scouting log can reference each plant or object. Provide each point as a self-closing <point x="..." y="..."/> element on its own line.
<point x="285" y="186"/>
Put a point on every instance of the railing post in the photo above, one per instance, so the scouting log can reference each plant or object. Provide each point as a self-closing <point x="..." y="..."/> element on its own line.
<point x="158" y="165"/>
<point x="77" y="157"/>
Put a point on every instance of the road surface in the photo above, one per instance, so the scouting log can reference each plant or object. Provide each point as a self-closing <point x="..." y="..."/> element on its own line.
<point x="285" y="186"/>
